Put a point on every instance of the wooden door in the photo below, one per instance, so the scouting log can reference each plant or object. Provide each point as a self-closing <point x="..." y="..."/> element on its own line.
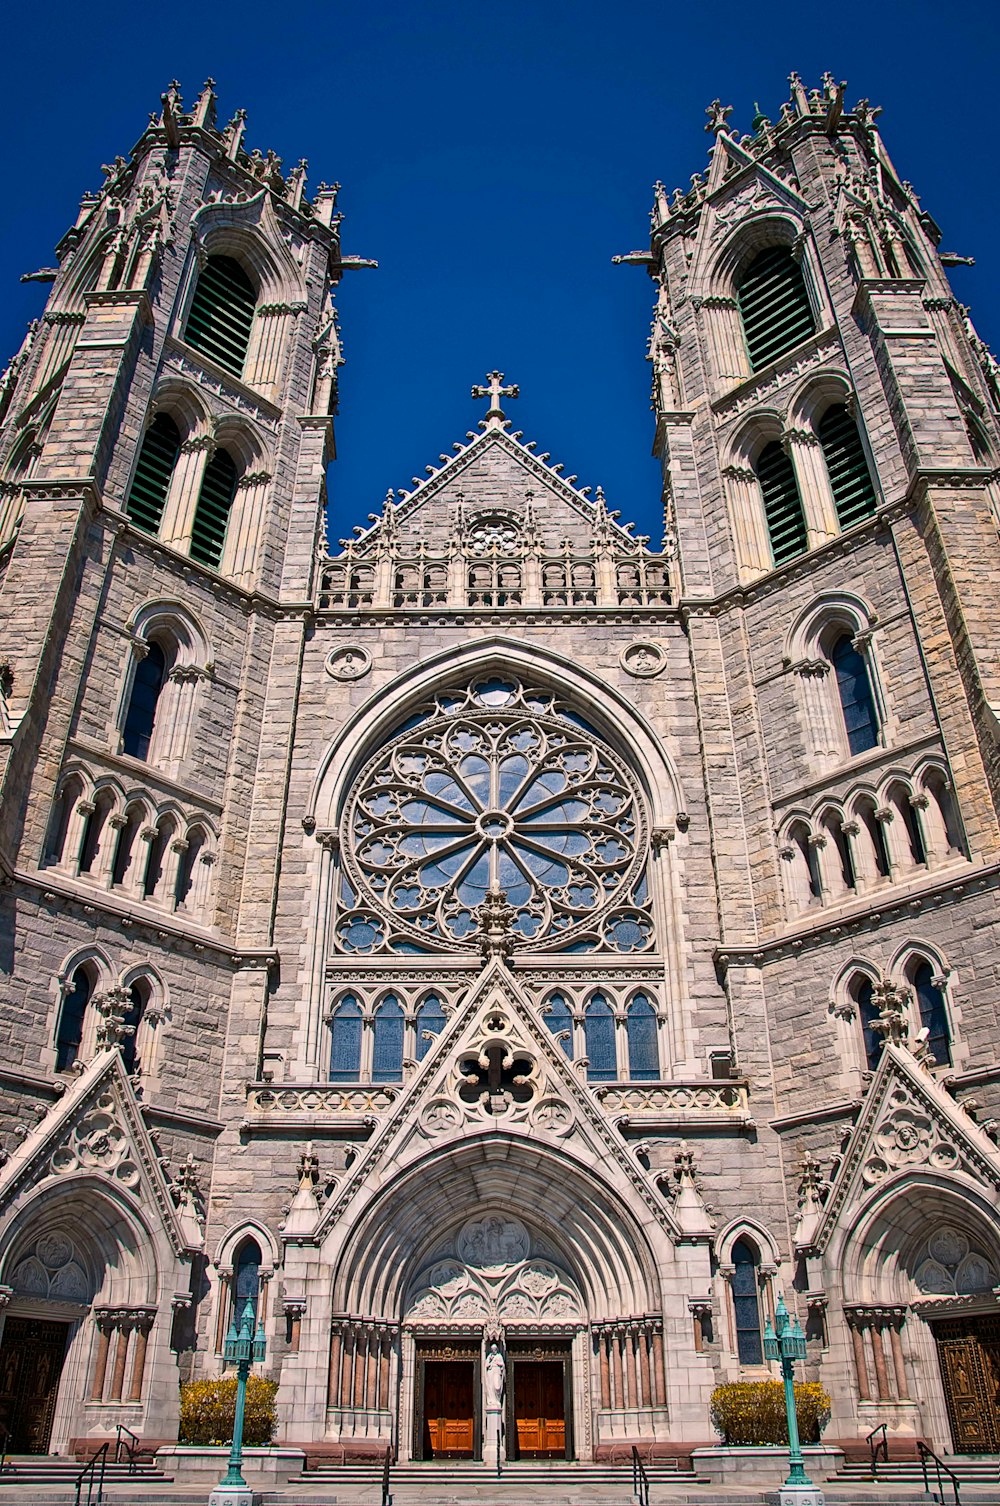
<point x="969" y="1354"/>
<point x="449" y="1409"/>
<point x="31" y="1361"/>
<point x="540" y="1409"/>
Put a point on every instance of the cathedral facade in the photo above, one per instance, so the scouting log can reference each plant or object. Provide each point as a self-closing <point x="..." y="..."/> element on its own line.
<point x="488" y="935"/>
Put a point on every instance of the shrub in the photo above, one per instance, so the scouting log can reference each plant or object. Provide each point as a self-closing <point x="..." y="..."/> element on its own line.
<point x="753" y="1412"/>
<point x="209" y="1406"/>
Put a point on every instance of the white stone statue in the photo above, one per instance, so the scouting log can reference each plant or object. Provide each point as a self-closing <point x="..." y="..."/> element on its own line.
<point x="496" y="1378"/>
<point x="494" y="1381"/>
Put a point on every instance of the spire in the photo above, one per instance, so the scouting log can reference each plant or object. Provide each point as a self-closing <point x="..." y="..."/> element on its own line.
<point x="495" y="390"/>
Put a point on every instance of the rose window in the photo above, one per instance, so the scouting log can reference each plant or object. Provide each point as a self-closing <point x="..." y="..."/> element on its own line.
<point x="495" y="786"/>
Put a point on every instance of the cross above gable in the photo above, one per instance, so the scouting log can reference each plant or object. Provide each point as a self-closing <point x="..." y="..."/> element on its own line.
<point x="495" y="390"/>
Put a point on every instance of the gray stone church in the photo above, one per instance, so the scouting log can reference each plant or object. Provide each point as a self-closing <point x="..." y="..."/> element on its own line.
<point x="488" y="929"/>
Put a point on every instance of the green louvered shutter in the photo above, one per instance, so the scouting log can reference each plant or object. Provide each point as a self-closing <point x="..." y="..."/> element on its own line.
<point x="155" y="466"/>
<point x="850" y="480"/>
<point x="211" y="516"/>
<point x="222" y="313"/>
<point x="786" y="524"/>
<point x="774" y="306"/>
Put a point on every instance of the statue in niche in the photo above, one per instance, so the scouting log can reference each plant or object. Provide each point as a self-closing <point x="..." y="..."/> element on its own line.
<point x="496" y="1378"/>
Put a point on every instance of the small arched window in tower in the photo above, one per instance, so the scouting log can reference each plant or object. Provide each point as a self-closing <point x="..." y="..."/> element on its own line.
<point x="746" y="1303"/>
<point x="154" y="468"/>
<point x="786" y="524"/>
<point x="345" y="1041"/>
<point x="387" y="1045"/>
<point x="147" y="685"/>
<point x="138" y="996"/>
<point x="869" y="818"/>
<point x="933" y="1013"/>
<point x="221" y="315"/>
<point x="855" y="691"/>
<point x="643" y="1052"/>
<point x="774" y="306"/>
<point x="215" y="503"/>
<point x="560" y="1022"/>
<point x="246" y="1281"/>
<point x="71" y="1017"/>
<point x="599" y="1034"/>
<point x="847" y="466"/>
<point x="863" y="994"/>
<point x="430" y="1023"/>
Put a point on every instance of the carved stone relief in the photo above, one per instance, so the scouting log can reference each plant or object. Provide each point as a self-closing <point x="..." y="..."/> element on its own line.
<point x="51" y="1271"/>
<point x="493" y="1277"/>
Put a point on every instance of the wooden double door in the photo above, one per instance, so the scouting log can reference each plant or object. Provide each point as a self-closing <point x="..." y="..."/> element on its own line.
<point x="969" y="1355"/>
<point x="539" y="1401"/>
<point x="31" y="1361"/>
<point x="448" y="1401"/>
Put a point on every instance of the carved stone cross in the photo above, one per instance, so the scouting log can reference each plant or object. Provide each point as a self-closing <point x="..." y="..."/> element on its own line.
<point x="496" y="1079"/>
<point x="495" y="390"/>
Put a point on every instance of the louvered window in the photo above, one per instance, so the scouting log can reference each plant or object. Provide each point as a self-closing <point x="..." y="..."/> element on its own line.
<point x="856" y="700"/>
<point x="786" y="522"/>
<point x="844" y="454"/>
<point x="155" y="466"/>
<point x="211" y="516"/>
<point x="221" y="314"/>
<point x="774" y="306"/>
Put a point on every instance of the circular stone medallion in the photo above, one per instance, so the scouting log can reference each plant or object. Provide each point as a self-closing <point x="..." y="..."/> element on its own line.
<point x="349" y="662"/>
<point x="644" y="660"/>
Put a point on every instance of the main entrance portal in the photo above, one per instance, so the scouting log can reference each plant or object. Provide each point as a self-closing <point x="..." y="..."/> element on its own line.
<point x="31" y="1360"/>
<point x="969" y="1352"/>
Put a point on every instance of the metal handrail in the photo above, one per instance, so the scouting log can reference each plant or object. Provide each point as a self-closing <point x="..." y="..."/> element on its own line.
<point x="130" y="1447"/>
<point x="5" y="1436"/>
<point x="90" y="1469"/>
<point x="386" y="1465"/>
<point x="640" y="1479"/>
<point x="881" y="1447"/>
<point x="939" y="1465"/>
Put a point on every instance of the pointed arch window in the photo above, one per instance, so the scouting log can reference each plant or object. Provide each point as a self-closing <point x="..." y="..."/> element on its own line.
<point x="345" y="1041"/>
<point x="599" y="1034"/>
<point x="786" y="523"/>
<point x="387" y="1045"/>
<point x="847" y="466"/>
<point x="933" y="1013"/>
<point x="746" y="1303"/>
<point x="138" y="999"/>
<point x="147" y="686"/>
<point x="560" y="1021"/>
<point x="774" y="306"/>
<point x="643" y="1051"/>
<point x="221" y="315"/>
<point x="246" y="1282"/>
<point x="864" y="997"/>
<point x="71" y="1019"/>
<point x="215" y="503"/>
<point x="151" y="482"/>
<point x="855" y="691"/>
<point x="430" y="1023"/>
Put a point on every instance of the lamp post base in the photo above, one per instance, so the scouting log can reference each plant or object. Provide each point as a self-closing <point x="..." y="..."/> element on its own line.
<point x="800" y="1495"/>
<point x="233" y="1495"/>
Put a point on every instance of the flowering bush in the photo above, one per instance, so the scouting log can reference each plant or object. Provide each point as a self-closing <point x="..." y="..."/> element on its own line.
<point x="753" y="1412"/>
<point x="209" y="1406"/>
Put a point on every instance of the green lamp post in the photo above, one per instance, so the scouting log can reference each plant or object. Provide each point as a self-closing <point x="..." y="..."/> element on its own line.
<point x="242" y="1348"/>
<point x="786" y="1342"/>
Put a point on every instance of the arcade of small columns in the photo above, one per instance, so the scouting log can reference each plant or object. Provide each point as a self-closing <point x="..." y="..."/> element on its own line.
<point x="629" y="1357"/>
<point x="129" y="1328"/>
<point x="873" y="1331"/>
<point x="360" y="1362"/>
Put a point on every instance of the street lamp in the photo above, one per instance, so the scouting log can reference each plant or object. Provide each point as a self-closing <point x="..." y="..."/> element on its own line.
<point x="242" y="1348"/>
<point x="787" y="1343"/>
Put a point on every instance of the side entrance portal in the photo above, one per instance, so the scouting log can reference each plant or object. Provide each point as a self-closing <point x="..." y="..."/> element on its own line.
<point x="31" y="1361"/>
<point x="539" y="1402"/>
<point x="448" y="1412"/>
<point x="969" y="1353"/>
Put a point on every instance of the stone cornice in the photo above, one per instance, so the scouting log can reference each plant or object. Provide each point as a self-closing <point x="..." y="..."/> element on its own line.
<point x="264" y="406"/>
<point x="461" y="616"/>
<point x="89" y="748"/>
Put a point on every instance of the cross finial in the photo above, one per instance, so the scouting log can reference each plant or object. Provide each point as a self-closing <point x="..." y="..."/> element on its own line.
<point x="495" y="390"/>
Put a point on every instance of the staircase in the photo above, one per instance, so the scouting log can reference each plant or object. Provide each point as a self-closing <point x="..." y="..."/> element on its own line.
<point x="970" y="1470"/>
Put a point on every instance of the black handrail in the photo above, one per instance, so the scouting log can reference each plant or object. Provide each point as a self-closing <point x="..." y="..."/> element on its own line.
<point x="130" y="1447"/>
<point x="640" y="1479"/>
<point x="5" y="1435"/>
<point x="386" y="1464"/>
<point x="90" y="1469"/>
<point x="881" y="1447"/>
<point x="939" y="1465"/>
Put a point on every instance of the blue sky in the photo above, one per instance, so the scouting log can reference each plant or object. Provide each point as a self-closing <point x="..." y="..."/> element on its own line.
<point x="493" y="158"/>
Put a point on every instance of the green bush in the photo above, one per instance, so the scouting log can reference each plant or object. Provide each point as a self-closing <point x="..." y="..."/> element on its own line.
<point x="209" y="1406"/>
<point x="753" y="1412"/>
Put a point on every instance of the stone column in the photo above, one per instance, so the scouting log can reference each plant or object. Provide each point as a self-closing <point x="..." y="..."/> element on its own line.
<point x="101" y="1358"/>
<point x="631" y="1380"/>
<point x="185" y="489"/>
<point x="645" y="1389"/>
<point x="336" y="1350"/>
<point x="601" y="1347"/>
<point x="143" y="1325"/>
<point x="617" y="1380"/>
<point x="659" y="1370"/>
<point x="123" y="1326"/>
<point x="803" y="449"/>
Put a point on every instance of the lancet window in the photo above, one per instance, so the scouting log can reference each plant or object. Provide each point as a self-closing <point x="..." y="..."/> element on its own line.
<point x="221" y="314"/>
<point x="774" y="305"/>
<point x="72" y="1015"/>
<point x="744" y="1284"/>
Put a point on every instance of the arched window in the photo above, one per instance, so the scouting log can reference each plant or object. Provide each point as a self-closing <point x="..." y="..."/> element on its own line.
<point x="856" y="700"/>
<point x="643" y="1053"/>
<point x="166" y="830"/>
<point x="786" y="524"/>
<point x="96" y="832"/>
<point x="155" y="466"/>
<point x="560" y="1022"/>
<point x="387" y="1048"/>
<point x="140" y="719"/>
<point x="215" y="503"/>
<point x="246" y="1281"/>
<point x="774" y="306"/>
<point x="599" y="1033"/>
<point x="345" y="1041"/>
<point x="746" y="1303"/>
<point x="430" y="1023"/>
<point x="879" y="849"/>
<point x="933" y="1013"/>
<point x="71" y="1017"/>
<point x="862" y="993"/>
<point x="846" y="466"/>
<point x="221" y="315"/>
